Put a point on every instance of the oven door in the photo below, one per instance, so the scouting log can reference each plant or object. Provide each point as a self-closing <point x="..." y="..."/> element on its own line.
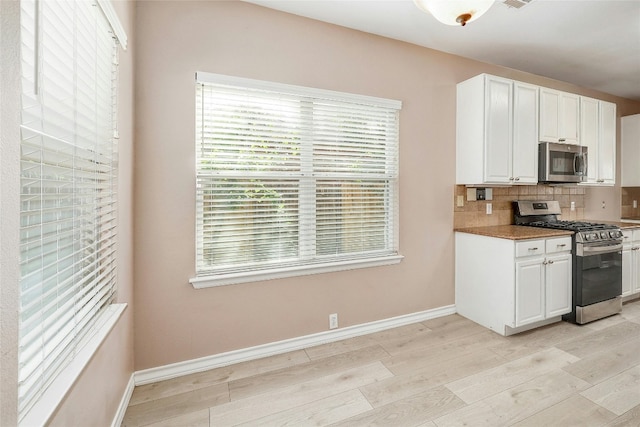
<point x="598" y="273"/>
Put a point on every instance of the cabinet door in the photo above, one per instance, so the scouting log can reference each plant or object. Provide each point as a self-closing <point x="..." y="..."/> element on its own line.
<point x="607" y="144"/>
<point x="570" y="118"/>
<point x="630" y="135"/>
<point x="627" y="270"/>
<point x="558" y="285"/>
<point x="529" y="291"/>
<point x="635" y="276"/>
<point x="498" y="130"/>
<point x="549" y="129"/>
<point x="589" y="126"/>
<point x="525" y="133"/>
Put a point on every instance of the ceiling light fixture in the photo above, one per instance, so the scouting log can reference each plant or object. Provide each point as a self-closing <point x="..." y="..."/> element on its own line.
<point x="455" y="12"/>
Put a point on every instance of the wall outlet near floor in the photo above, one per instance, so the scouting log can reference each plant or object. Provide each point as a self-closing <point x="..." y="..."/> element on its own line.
<point x="333" y="321"/>
<point x="573" y="206"/>
<point x="460" y="201"/>
<point x="489" y="208"/>
<point x="635" y="204"/>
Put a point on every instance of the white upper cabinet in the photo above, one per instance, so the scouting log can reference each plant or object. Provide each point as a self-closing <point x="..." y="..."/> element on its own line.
<point x="630" y="135"/>
<point x="598" y="134"/>
<point x="607" y="144"/>
<point x="496" y="131"/>
<point x="559" y="116"/>
<point x="525" y="133"/>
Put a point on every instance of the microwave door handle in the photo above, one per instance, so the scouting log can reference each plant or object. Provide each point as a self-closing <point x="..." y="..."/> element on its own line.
<point x="579" y="165"/>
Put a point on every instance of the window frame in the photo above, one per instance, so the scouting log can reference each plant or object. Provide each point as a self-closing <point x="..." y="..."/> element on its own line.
<point x="316" y="265"/>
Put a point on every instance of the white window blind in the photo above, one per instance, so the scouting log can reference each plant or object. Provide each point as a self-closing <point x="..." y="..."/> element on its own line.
<point x="68" y="184"/>
<point x="290" y="176"/>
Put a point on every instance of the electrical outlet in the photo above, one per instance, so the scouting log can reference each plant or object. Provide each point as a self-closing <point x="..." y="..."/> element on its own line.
<point x="333" y="321"/>
<point x="573" y="206"/>
<point x="460" y="201"/>
<point x="489" y="208"/>
<point x="635" y="204"/>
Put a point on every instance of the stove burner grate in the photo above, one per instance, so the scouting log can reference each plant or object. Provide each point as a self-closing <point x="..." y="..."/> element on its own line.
<point x="571" y="225"/>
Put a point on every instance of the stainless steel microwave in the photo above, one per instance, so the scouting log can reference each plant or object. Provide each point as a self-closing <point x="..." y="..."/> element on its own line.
<point x="561" y="163"/>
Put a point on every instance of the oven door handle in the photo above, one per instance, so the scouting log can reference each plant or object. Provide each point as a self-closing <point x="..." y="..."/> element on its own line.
<point x="604" y="249"/>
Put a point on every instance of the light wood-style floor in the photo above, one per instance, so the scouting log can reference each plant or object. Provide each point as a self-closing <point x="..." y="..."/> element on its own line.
<point x="442" y="372"/>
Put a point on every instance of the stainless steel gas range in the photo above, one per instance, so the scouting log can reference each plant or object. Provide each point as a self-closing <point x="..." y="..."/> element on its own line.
<point x="597" y="259"/>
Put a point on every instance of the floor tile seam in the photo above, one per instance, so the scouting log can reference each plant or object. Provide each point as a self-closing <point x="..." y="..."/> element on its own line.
<point x="426" y="345"/>
<point x="172" y="395"/>
<point x="144" y="424"/>
<point x="628" y="371"/>
<point x="309" y="380"/>
<point x="546" y="371"/>
<point x="412" y="395"/>
<point x="603" y="379"/>
<point x="308" y="390"/>
<point x="513" y="423"/>
<point x="204" y="407"/>
<point x="175" y="395"/>
<point x="486" y="400"/>
<point x="603" y="337"/>
<point x="310" y="402"/>
<point x="445" y="360"/>
<point x="349" y="364"/>
<point x="514" y="361"/>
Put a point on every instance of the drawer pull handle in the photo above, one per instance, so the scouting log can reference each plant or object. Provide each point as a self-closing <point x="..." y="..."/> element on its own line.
<point x="562" y="245"/>
<point x="533" y="249"/>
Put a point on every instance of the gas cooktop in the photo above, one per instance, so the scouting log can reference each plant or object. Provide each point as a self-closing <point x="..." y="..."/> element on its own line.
<point x="545" y="215"/>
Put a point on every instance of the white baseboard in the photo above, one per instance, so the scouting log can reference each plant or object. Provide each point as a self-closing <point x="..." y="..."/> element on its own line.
<point x="174" y="370"/>
<point x="124" y="403"/>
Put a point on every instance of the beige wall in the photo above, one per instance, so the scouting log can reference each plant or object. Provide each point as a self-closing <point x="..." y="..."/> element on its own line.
<point x="94" y="398"/>
<point x="175" y="322"/>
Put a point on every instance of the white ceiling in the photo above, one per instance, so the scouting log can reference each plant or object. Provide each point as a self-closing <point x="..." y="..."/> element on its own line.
<point x="590" y="43"/>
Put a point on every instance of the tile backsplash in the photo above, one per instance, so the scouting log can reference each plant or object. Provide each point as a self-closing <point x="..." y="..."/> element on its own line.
<point x="629" y="195"/>
<point x="473" y="213"/>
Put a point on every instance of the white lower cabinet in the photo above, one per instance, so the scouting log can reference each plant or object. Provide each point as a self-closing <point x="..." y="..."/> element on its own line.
<point x="511" y="286"/>
<point x="631" y="262"/>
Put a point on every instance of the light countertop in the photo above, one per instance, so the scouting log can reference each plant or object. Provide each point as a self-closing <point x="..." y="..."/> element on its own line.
<point x="514" y="232"/>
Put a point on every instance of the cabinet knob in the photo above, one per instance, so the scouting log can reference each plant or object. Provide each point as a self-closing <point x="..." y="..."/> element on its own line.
<point x="562" y="139"/>
<point x="510" y="178"/>
<point x="544" y="262"/>
<point x="518" y="179"/>
<point x="550" y="262"/>
<point x="533" y="249"/>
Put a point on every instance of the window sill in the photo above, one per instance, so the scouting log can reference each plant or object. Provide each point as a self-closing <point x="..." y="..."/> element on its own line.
<point x="47" y="404"/>
<point x="280" y="273"/>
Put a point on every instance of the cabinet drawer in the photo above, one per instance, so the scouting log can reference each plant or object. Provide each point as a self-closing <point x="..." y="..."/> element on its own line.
<point x="562" y="244"/>
<point x="529" y="248"/>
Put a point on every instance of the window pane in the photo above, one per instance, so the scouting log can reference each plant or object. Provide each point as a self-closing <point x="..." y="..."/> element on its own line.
<point x="248" y="221"/>
<point x="351" y="217"/>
